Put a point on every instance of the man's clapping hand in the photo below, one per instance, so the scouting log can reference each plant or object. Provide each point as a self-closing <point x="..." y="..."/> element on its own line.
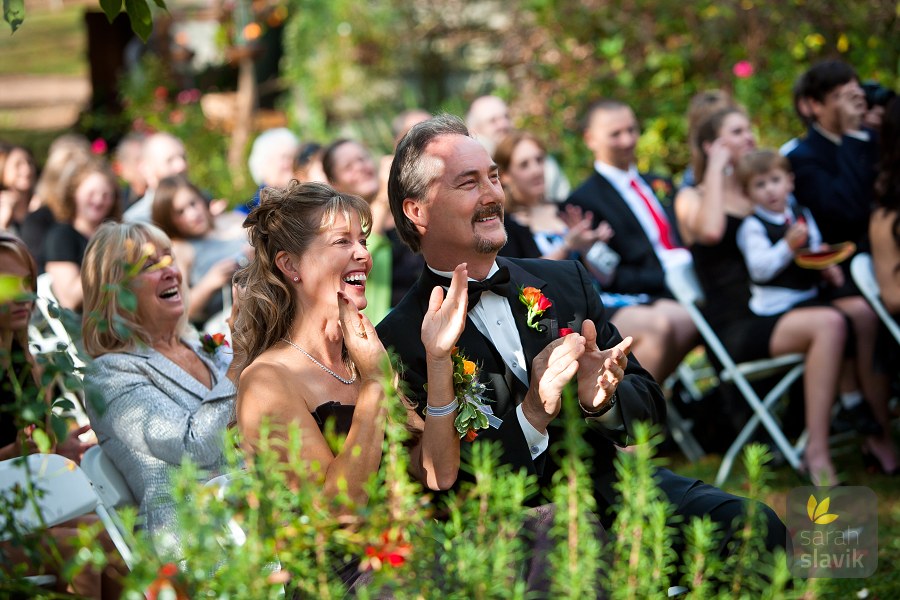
<point x="551" y="370"/>
<point x="600" y="371"/>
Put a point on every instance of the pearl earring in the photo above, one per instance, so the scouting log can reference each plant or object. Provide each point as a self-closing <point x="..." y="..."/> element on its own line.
<point x="296" y="279"/>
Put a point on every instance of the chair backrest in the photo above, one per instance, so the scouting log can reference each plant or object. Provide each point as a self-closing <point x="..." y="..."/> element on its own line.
<point x="684" y="285"/>
<point x="67" y="492"/>
<point x="43" y="301"/>
<point x="863" y="273"/>
<point x="682" y="282"/>
<point x="107" y="478"/>
<point x="220" y="484"/>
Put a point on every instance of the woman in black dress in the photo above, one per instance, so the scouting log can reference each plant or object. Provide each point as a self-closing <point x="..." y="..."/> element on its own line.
<point x="307" y="352"/>
<point x="708" y="218"/>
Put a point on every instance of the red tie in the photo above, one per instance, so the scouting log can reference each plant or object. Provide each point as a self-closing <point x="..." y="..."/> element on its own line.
<point x="662" y="224"/>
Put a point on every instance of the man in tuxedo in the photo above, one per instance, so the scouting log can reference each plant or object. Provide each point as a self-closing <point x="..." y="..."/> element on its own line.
<point x="835" y="164"/>
<point x="639" y="210"/>
<point x="447" y="203"/>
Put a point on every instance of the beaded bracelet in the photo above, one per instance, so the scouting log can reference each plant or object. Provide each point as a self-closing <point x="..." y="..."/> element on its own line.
<point x="441" y="411"/>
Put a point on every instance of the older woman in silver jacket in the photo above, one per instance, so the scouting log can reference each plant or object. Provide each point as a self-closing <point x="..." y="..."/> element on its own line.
<point x="164" y="398"/>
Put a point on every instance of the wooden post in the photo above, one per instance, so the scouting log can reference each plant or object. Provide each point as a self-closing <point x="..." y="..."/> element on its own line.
<point x="246" y="101"/>
<point x="243" y="119"/>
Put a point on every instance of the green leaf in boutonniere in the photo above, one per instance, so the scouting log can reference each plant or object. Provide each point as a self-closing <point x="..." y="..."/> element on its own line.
<point x="536" y="303"/>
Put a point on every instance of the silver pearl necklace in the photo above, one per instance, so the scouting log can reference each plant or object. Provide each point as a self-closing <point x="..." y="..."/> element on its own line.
<point x="321" y="366"/>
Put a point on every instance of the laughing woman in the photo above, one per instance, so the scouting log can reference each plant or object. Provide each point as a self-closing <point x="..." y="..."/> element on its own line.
<point x="311" y="355"/>
<point x="164" y="398"/>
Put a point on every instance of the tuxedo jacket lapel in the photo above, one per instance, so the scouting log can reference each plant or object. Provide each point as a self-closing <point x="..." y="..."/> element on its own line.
<point x="533" y="340"/>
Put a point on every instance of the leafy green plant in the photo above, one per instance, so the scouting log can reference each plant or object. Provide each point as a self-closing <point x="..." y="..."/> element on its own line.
<point x="467" y="544"/>
<point x="139" y="13"/>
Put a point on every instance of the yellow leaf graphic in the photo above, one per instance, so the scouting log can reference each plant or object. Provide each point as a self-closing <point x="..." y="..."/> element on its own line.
<point x="826" y="519"/>
<point x="811" y="508"/>
<point x="822" y="509"/>
<point x="818" y="512"/>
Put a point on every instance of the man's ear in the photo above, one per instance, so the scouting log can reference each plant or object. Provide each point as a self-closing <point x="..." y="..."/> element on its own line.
<point x="815" y="109"/>
<point x="287" y="265"/>
<point x="416" y="212"/>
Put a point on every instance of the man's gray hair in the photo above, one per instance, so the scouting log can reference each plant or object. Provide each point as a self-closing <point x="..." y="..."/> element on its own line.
<point x="261" y="152"/>
<point x="412" y="171"/>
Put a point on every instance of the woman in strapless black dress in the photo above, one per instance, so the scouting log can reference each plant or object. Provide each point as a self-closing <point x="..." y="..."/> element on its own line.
<point x="305" y="348"/>
<point x="708" y="217"/>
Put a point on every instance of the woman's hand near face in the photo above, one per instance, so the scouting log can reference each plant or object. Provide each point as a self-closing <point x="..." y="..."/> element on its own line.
<point x="362" y="343"/>
<point x="718" y="156"/>
<point x="446" y="317"/>
<point x="219" y="275"/>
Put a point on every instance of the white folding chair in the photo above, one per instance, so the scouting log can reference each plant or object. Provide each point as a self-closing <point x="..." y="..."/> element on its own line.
<point x="44" y="302"/>
<point x="220" y="484"/>
<point x="67" y="493"/>
<point x="682" y="281"/>
<point x="863" y="273"/>
<point x="48" y="334"/>
<point x="108" y="482"/>
<point x="679" y="427"/>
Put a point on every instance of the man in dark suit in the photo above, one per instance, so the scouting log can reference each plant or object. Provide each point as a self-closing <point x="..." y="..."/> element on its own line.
<point x="639" y="210"/>
<point x="447" y="203"/>
<point x="835" y="164"/>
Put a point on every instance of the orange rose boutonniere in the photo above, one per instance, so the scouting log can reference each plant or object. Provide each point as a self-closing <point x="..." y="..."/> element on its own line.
<point x="662" y="189"/>
<point x="212" y="343"/>
<point x="536" y="303"/>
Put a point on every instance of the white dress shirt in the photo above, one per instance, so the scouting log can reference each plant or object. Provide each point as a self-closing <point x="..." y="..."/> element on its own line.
<point x="621" y="182"/>
<point x="766" y="260"/>
<point x="493" y="317"/>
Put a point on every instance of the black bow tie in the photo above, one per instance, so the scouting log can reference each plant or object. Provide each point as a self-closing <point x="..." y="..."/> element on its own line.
<point x="497" y="283"/>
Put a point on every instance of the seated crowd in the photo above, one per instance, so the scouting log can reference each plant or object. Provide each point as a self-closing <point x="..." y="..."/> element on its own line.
<point x="339" y="258"/>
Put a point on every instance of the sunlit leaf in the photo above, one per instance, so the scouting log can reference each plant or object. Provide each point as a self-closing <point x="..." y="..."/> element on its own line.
<point x="14" y="13"/>
<point x="10" y="287"/>
<point x="127" y="300"/>
<point x="111" y="8"/>
<point x="141" y="19"/>
<point x="41" y="440"/>
<point x="64" y="404"/>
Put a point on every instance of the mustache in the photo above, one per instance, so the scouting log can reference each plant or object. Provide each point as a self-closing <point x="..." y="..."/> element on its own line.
<point x="491" y="210"/>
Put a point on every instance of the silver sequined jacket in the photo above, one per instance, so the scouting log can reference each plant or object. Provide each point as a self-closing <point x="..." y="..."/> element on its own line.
<point x="155" y="415"/>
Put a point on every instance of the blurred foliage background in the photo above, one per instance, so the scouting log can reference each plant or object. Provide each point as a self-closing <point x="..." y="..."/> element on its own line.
<point x="344" y="68"/>
<point x="550" y="58"/>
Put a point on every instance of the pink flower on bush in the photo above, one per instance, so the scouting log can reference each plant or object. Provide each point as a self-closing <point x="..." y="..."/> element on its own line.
<point x="742" y="69"/>
<point x="188" y="96"/>
<point x="161" y="93"/>
<point x="99" y="146"/>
